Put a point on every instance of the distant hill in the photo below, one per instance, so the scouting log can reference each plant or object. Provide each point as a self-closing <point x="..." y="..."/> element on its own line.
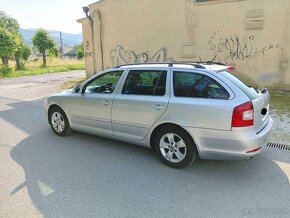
<point x="67" y="38"/>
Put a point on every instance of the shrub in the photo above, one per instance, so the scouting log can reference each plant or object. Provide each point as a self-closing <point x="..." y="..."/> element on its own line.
<point x="5" y="70"/>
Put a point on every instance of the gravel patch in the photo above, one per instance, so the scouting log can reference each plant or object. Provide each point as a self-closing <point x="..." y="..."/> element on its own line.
<point x="281" y="128"/>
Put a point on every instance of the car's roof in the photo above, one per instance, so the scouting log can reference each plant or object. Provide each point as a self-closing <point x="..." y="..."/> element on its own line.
<point x="214" y="66"/>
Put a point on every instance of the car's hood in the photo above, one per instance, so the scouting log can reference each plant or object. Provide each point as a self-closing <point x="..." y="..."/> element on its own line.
<point x="63" y="93"/>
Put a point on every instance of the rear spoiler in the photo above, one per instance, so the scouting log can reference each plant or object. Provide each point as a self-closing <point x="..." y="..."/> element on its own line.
<point x="220" y="68"/>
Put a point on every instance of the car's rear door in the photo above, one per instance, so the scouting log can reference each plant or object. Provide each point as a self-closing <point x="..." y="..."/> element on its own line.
<point x="200" y="100"/>
<point x="140" y="102"/>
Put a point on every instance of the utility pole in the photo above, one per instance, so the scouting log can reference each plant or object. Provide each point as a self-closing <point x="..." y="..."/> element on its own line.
<point x="61" y="45"/>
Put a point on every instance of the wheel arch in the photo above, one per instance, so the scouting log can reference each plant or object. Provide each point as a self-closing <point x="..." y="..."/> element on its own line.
<point x="160" y="126"/>
<point x="51" y="107"/>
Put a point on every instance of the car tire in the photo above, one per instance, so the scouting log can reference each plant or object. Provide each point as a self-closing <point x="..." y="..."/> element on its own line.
<point x="59" y="122"/>
<point x="175" y="147"/>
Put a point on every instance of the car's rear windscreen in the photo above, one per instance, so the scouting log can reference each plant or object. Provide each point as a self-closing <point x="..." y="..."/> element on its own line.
<point x="245" y="83"/>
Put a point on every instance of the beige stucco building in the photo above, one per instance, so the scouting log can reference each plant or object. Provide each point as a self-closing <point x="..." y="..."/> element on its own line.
<point x="254" y="35"/>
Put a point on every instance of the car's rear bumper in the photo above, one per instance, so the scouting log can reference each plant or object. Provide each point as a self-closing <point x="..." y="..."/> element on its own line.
<point x="237" y="144"/>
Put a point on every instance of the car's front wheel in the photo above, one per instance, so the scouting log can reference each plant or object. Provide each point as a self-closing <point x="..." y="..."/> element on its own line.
<point x="175" y="147"/>
<point x="59" y="122"/>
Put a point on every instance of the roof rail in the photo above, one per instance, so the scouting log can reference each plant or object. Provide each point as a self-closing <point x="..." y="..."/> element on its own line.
<point x="123" y="65"/>
<point x="170" y="64"/>
<point x="194" y="64"/>
<point x="211" y="63"/>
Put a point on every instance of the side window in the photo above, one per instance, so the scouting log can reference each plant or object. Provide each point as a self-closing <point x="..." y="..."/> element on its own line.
<point x="104" y="83"/>
<point x="143" y="82"/>
<point x="188" y="84"/>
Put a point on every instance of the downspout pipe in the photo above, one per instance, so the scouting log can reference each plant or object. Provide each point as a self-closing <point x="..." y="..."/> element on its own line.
<point x="86" y="11"/>
<point x="101" y="37"/>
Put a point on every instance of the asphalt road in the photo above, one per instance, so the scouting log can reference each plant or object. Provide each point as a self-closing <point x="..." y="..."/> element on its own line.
<point x="43" y="175"/>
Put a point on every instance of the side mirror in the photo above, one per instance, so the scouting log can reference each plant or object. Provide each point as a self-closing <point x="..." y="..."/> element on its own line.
<point x="77" y="89"/>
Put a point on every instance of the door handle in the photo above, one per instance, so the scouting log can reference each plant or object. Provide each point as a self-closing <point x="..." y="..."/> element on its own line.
<point x="158" y="106"/>
<point x="106" y="102"/>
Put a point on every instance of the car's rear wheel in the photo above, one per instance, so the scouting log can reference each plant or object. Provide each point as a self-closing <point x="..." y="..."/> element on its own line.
<point x="175" y="147"/>
<point x="59" y="122"/>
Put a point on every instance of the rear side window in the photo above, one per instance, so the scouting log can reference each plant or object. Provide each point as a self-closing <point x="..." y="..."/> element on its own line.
<point x="189" y="84"/>
<point x="144" y="82"/>
<point x="246" y="84"/>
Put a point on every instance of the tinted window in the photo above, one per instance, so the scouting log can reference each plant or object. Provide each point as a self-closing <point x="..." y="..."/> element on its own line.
<point x="245" y="83"/>
<point x="145" y="83"/>
<point x="188" y="84"/>
<point x="104" y="83"/>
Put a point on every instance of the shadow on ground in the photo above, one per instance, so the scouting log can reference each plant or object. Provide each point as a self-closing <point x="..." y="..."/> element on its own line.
<point x="86" y="176"/>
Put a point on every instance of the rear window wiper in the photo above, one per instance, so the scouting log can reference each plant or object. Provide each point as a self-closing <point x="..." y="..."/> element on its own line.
<point x="264" y="91"/>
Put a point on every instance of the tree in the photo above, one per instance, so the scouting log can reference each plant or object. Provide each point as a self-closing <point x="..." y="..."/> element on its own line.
<point x="80" y="51"/>
<point x="8" y="45"/>
<point x="43" y="42"/>
<point x="80" y="54"/>
<point x="21" y="54"/>
<point x="8" y="23"/>
<point x="17" y="52"/>
<point x="9" y="27"/>
<point x="25" y="52"/>
<point x="53" y="51"/>
<point x="12" y="42"/>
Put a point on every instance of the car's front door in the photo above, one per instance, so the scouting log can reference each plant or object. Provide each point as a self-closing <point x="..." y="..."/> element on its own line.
<point x="142" y="100"/>
<point x="91" y="109"/>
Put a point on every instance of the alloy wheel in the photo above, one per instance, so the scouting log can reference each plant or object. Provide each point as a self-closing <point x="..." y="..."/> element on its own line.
<point x="57" y="122"/>
<point x="172" y="147"/>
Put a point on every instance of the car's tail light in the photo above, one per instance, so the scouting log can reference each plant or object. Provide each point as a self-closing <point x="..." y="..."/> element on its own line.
<point x="243" y="115"/>
<point x="231" y="68"/>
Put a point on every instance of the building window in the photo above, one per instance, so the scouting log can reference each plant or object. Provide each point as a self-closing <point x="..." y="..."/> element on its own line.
<point x="214" y="1"/>
<point x="198" y="1"/>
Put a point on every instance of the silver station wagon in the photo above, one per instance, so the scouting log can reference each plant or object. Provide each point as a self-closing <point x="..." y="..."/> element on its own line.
<point x="181" y="110"/>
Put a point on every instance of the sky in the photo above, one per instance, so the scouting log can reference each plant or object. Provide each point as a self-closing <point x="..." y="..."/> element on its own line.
<point x="60" y="15"/>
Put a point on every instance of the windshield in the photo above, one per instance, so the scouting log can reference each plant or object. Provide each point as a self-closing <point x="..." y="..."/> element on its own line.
<point x="248" y="85"/>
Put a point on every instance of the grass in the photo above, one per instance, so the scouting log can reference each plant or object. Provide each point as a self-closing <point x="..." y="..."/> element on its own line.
<point x="72" y="83"/>
<point x="33" y="67"/>
<point x="280" y="101"/>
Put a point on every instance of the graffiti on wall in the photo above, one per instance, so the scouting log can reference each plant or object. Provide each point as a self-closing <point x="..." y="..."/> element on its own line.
<point x="236" y="48"/>
<point x="121" y="56"/>
<point x="88" y="52"/>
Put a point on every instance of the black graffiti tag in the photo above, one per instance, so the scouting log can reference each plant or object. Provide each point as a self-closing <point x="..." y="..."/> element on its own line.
<point x="233" y="48"/>
<point x="121" y="56"/>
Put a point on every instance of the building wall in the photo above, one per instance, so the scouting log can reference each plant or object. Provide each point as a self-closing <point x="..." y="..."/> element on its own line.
<point x="254" y="35"/>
